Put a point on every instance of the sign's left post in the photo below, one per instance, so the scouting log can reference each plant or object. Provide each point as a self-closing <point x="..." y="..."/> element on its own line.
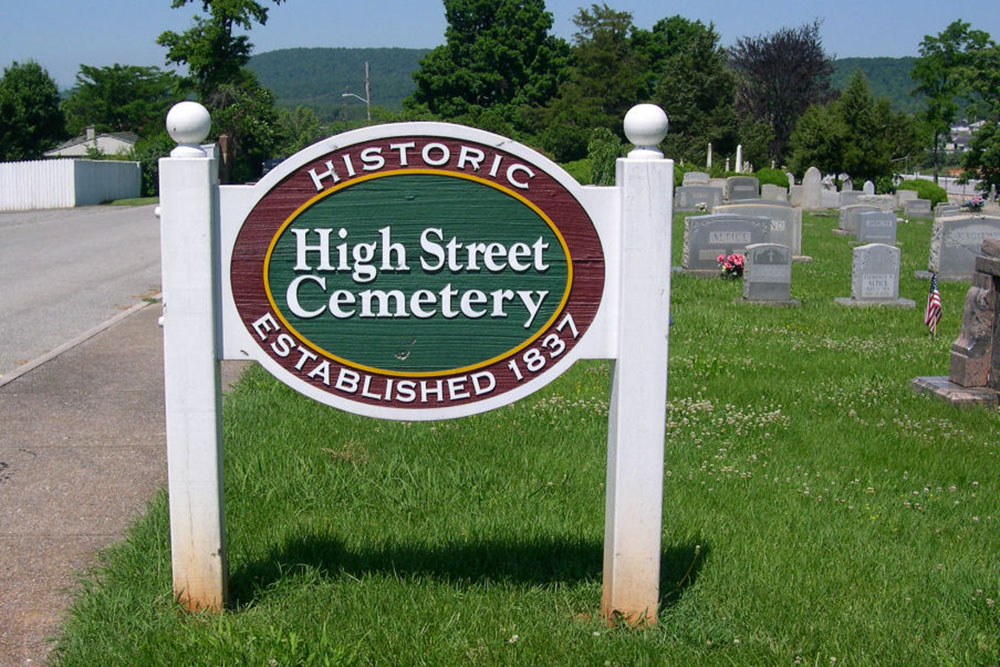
<point x="189" y="223"/>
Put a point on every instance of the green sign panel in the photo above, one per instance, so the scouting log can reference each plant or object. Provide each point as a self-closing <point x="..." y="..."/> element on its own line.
<point x="413" y="276"/>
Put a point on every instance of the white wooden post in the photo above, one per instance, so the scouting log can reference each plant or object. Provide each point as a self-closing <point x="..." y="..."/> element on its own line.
<point x="188" y="223"/>
<point x="636" y="424"/>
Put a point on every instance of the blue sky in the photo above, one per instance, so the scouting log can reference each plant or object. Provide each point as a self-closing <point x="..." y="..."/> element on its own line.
<point x="61" y="34"/>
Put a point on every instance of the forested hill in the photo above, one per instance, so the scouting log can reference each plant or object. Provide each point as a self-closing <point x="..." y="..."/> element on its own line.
<point x="318" y="77"/>
<point x="888" y="77"/>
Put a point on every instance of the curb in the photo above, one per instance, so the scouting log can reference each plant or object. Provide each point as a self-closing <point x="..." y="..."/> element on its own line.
<point x="69" y="345"/>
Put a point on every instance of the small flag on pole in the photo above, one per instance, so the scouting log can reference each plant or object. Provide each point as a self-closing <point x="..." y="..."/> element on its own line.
<point x="933" y="311"/>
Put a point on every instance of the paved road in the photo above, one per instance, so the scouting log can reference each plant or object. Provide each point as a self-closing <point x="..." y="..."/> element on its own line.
<point x="63" y="272"/>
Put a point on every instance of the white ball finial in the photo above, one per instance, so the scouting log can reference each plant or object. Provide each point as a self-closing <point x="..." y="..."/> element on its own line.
<point x="645" y="127"/>
<point x="188" y="124"/>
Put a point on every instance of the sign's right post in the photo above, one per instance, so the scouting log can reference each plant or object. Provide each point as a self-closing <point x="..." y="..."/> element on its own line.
<point x="636" y="422"/>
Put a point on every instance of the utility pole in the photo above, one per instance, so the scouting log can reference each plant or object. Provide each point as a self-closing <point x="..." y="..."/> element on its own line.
<point x="367" y="99"/>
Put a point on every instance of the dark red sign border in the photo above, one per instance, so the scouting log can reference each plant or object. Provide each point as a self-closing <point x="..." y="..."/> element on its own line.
<point x="386" y="389"/>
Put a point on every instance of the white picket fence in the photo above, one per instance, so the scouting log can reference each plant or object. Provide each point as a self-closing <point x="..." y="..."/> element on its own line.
<point x="40" y="184"/>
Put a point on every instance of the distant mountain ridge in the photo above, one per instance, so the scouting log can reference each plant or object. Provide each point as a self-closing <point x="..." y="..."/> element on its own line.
<point x="888" y="77"/>
<point x="318" y="77"/>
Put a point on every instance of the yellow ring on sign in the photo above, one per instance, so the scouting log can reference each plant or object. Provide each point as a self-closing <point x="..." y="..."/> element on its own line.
<point x="406" y="172"/>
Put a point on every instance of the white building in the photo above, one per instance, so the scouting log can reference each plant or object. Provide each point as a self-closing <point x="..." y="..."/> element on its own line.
<point x="118" y="143"/>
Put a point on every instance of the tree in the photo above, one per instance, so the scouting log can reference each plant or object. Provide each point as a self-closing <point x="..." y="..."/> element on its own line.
<point x="212" y="53"/>
<point x="297" y="129"/>
<point x="121" y="98"/>
<point x="856" y="133"/>
<point x="498" y="55"/>
<point x="779" y="76"/>
<point x="942" y="73"/>
<point x="216" y="60"/>
<point x="29" y="108"/>
<point x="690" y="80"/>
<point x="607" y="77"/>
<point x="982" y="160"/>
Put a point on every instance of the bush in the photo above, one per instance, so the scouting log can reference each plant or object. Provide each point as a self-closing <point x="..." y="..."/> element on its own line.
<point x="580" y="170"/>
<point x="147" y="152"/>
<point x="884" y="185"/>
<point x="925" y="190"/>
<point x="772" y="176"/>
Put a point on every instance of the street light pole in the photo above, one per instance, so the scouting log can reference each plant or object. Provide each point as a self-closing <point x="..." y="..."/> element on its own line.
<point x="367" y="99"/>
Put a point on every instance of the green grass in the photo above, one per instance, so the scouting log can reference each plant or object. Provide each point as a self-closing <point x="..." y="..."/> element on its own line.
<point x="815" y="508"/>
<point x="137" y="201"/>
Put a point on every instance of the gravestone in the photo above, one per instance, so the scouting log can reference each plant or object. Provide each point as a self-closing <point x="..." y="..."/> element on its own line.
<point x="812" y="187"/>
<point x="903" y="196"/>
<point x="974" y="364"/>
<point x="829" y="198"/>
<point x="885" y="202"/>
<point x="875" y="227"/>
<point x="849" y="197"/>
<point x="696" y="197"/>
<point x="708" y="236"/>
<point x="917" y="208"/>
<point x="786" y="221"/>
<point x="846" y="185"/>
<point x="791" y="178"/>
<point x="795" y="195"/>
<point x="944" y="210"/>
<point x="868" y="188"/>
<point x="767" y="273"/>
<point x="696" y="178"/>
<point x="955" y="244"/>
<point x="773" y="192"/>
<point x="875" y="277"/>
<point x="848" y="221"/>
<point x="742" y="187"/>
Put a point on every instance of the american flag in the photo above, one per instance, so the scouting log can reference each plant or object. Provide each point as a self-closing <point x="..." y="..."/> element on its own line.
<point x="933" y="311"/>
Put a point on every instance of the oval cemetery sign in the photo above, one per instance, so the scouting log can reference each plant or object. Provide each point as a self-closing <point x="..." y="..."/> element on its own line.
<point x="417" y="275"/>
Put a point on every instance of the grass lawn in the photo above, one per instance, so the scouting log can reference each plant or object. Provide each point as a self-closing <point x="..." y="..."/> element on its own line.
<point x="816" y="510"/>
<point x="137" y="201"/>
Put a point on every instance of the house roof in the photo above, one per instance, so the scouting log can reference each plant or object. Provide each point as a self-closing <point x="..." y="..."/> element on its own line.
<point x="125" y="137"/>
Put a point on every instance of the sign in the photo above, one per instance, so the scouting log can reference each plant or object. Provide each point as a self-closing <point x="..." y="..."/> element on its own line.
<point x="414" y="275"/>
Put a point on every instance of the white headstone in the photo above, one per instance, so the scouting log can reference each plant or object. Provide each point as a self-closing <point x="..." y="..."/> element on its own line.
<point x="868" y="188"/>
<point x="812" y="186"/>
<point x="739" y="158"/>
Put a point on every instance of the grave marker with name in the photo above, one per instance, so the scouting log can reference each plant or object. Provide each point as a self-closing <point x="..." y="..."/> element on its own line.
<point x="848" y="220"/>
<point x="742" y="187"/>
<point x="917" y="208"/>
<point x="708" y="236"/>
<point x="786" y="221"/>
<point x="876" y="227"/>
<point x="767" y="276"/>
<point x="875" y="277"/>
<point x="696" y="197"/>
<point x="955" y="244"/>
<point x="695" y="178"/>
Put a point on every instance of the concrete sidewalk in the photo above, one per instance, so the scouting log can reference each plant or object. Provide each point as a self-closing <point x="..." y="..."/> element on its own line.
<point x="82" y="451"/>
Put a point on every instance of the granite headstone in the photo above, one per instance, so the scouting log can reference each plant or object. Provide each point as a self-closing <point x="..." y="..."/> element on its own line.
<point x="708" y="236"/>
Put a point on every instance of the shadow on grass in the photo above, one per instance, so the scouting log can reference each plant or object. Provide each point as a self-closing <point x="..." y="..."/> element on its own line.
<point x="538" y="562"/>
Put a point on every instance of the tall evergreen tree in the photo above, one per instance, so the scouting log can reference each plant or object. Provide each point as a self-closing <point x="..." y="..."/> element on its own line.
<point x="689" y="77"/>
<point x="607" y="77"/>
